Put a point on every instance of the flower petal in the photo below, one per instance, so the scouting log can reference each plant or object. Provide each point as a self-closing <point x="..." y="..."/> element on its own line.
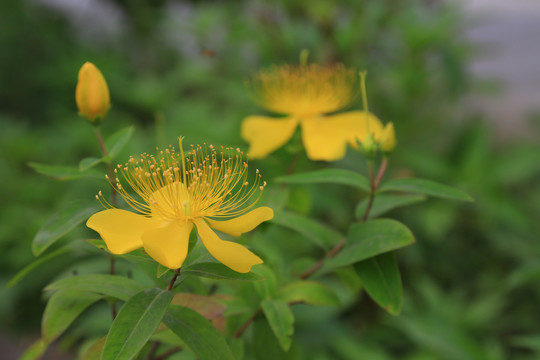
<point x="229" y="253"/>
<point x="244" y="223"/>
<point x="120" y="229"/>
<point x="266" y="134"/>
<point x="168" y="245"/>
<point x="326" y="137"/>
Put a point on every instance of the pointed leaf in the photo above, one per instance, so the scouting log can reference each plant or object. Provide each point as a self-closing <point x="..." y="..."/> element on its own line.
<point x="427" y="187"/>
<point x="217" y="271"/>
<point x="197" y="333"/>
<point x="61" y="223"/>
<point x="135" y="324"/>
<point x="62" y="309"/>
<point x="208" y="307"/>
<point x="386" y="202"/>
<point x="323" y="236"/>
<point x="281" y="320"/>
<point x="370" y="239"/>
<point x="64" y="172"/>
<point x="116" y="286"/>
<point x="382" y="281"/>
<point x="88" y="163"/>
<point x="330" y="176"/>
<point x="117" y="141"/>
<point x="35" y="351"/>
<point x="309" y="292"/>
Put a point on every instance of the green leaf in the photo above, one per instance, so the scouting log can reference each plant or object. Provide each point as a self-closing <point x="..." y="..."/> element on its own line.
<point x="62" y="309"/>
<point x="88" y="163"/>
<point x="116" y="286"/>
<point x="64" y="172"/>
<point x="207" y="306"/>
<point x="323" y="236"/>
<point x="197" y="333"/>
<point x="370" y="239"/>
<point x="94" y="351"/>
<point x="281" y="320"/>
<point x="382" y="281"/>
<point x="161" y="270"/>
<point x="427" y="187"/>
<point x="217" y="271"/>
<point x="35" y="351"/>
<point x="61" y="223"/>
<point x="117" y="141"/>
<point x="100" y="244"/>
<point x="386" y="202"/>
<point x="332" y="176"/>
<point x="309" y="292"/>
<point x="29" y="268"/>
<point x="135" y="323"/>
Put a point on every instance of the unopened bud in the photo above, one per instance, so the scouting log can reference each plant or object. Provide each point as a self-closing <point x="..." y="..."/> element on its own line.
<point x="388" y="139"/>
<point x="369" y="146"/>
<point x="92" y="93"/>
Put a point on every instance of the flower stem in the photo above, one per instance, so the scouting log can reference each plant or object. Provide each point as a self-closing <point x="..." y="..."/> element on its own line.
<point x="105" y="153"/>
<point x="171" y="284"/>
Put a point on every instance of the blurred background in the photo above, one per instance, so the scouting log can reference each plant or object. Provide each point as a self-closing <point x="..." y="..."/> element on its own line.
<point x="460" y="81"/>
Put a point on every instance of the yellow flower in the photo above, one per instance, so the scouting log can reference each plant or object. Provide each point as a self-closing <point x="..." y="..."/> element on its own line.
<point x="388" y="138"/>
<point x="305" y="93"/>
<point x="92" y="93"/>
<point x="174" y="193"/>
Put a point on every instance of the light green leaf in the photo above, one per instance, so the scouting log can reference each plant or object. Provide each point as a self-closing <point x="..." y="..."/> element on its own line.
<point x="382" y="281"/>
<point x="427" y="187"/>
<point x="35" y="351"/>
<point x="40" y="261"/>
<point x="370" y="239"/>
<point x="281" y="320"/>
<point x="116" y="286"/>
<point x="135" y="323"/>
<point x="217" y="271"/>
<point x="323" y="236"/>
<point x="117" y="141"/>
<point x="88" y="163"/>
<point x="64" y="172"/>
<point x="309" y="292"/>
<point x="94" y="352"/>
<point x="61" y="223"/>
<point x="197" y="333"/>
<point x="386" y="202"/>
<point x="62" y="309"/>
<point x="330" y="176"/>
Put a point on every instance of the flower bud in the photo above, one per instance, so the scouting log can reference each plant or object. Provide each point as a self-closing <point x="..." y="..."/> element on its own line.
<point x="92" y="93"/>
<point x="369" y="146"/>
<point x="387" y="141"/>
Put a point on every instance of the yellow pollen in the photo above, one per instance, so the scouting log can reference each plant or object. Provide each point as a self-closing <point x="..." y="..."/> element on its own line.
<point x="305" y="90"/>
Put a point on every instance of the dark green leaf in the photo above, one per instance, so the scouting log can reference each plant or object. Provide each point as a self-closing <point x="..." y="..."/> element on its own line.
<point x="217" y="271"/>
<point x="330" y="176"/>
<point x="427" y="187"/>
<point x="135" y="323"/>
<point x="309" y="292"/>
<point x="197" y="333"/>
<point x="117" y="141"/>
<point x="382" y="281"/>
<point x="64" y="172"/>
<point x="321" y="235"/>
<point x="29" y="268"/>
<point x="88" y="163"/>
<point x="60" y="224"/>
<point x="281" y="320"/>
<point x="386" y="202"/>
<point x="116" y="286"/>
<point x="62" y="309"/>
<point x="35" y="351"/>
<point x="370" y="239"/>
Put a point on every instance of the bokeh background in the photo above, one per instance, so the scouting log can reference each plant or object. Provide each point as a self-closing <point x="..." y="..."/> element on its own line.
<point x="460" y="81"/>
